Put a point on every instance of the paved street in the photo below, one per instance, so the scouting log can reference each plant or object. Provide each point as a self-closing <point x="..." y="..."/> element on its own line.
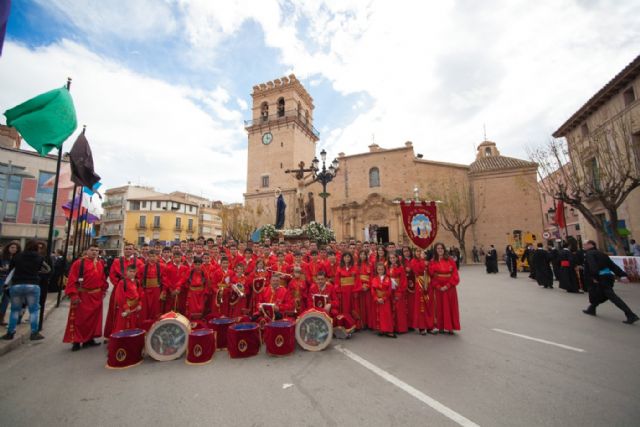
<point x="481" y="376"/>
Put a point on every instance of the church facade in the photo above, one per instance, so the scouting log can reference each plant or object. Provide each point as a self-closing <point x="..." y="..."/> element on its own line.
<point x="364" y="195"/>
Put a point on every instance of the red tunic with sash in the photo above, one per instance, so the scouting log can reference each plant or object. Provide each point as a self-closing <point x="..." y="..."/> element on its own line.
<point x="399" y="298"/>
<point x="239" y="297"/>
<point x="150" y="290"/>
<point x="332" y="298"/>
<point x="423" y="304"/>
<point x="258" y="280"/>
<point x="411" y="289"/>
<point x="297" y="296"/>
<point x="221" y="293"/>
<point x="116" y="274"/>
<point x="364" y="297"/>
<point x="127" y="300"/>
<point x="444" y="273"/>
<point x="175" y="276"/>
<point x="277" y="296"/>
<point x="197" y="289"/>
<point x="86" y="288"/>
<point x="346" y="282"/>
<point x="312" y="269"/>
<point x="382" y="297"/>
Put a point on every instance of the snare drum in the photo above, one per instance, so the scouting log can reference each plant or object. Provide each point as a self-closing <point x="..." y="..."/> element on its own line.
<point x="125" y="348"/>
<point x="202" y="345"/>
<point x="167" y="338"/>
<point x="280" y="337"/>
<point x="243" y="340"/>
<point x="314" y="330"/>
<point x="220" y="327"/>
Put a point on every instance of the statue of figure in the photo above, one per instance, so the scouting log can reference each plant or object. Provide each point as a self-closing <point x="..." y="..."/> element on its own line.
<point x="281" y="206"/>
<point x="310" y="210"/>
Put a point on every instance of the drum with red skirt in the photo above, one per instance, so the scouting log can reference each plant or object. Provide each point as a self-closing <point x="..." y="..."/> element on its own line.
<point x="125" y="348"/>
<point x="220" y="326"/>
<point x="202" y="345"/>
<point x="280" y="337"/>
<point x="243" y="340"/>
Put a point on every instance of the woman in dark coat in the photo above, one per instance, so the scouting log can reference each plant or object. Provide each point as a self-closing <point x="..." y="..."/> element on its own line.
<point x="512" y="261"/>
<point x="567" y="270"/>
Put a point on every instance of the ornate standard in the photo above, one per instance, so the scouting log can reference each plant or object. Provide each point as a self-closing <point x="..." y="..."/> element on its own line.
<point x="324" y="176"/>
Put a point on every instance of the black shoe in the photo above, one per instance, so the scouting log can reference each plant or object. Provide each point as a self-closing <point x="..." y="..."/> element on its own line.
<point x="441" y="331"/>
<point x="380" y="334"/>
<point x="631" y="319"/>
<point x="8" y="336"/>
<point x="36" y="336"/>
<point x="412" y="329"/>
<point x="90" y="343"/>
<point x="423" y="332"/>
<point x="75" y="346"/>
<point x="589" y="312"/>
<point x="451" y="333"/>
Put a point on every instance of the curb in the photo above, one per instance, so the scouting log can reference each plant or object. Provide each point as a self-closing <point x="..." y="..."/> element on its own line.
<point x="23" y="333"/>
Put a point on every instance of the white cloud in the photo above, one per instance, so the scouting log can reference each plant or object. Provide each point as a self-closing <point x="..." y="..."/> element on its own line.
<point x="140" y="129"/>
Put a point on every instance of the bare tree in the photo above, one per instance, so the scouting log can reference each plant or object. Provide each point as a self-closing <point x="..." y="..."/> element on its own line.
<point x="238" y="222"/>
<point x="594" y="174"/>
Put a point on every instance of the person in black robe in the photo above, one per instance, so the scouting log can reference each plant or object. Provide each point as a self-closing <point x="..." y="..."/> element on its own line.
<point x="281" y="206"/>
<point x="491" y="260"/>
<point x="578" y="259"/>
<point x="541" y="267"/>
<point x="567" y="270"/>
<point x="554" y="253"/>
<point x="600" y="272"/>
<point x="512" y="261"/>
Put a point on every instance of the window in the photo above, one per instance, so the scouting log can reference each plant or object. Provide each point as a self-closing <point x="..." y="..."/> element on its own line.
<point x="206" y="217"/>
<point x="135" y="206"/>
<point x="13" y="195"/>
<point x="264" y="111"/>
<point x="584" y="129"/>
<point x="265" y="181"/>
<point x="42" y="206"/>
<point x="592" y="165"/>
<point x="178" y="222"/>
<point x="190" y="208"/>
<point x="144" y="205"/>
<point x="158" y="205"/>
<point x="629" y="96"/>
<point x="306" y="117"/>
<point x="299" y="110"/>
<point x="190" y="224"/>
<point x="143" y="221"/>
<point x="281" y="107"/>
<point x="156" y="222"/>
<point x="374" y="177"/>
<point x="487" y="152"/>
<point x="140" y="240"/>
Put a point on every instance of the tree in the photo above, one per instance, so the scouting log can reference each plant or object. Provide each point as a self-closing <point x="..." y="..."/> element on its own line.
<point x="238" y="222"/>
<point x="595" y="173"/>
<point x="456" y="212"/>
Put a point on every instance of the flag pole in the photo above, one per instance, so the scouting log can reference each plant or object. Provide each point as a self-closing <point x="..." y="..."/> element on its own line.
<point x="66" y="243"/>
<point x="44" y="290"/>
<point x="76" y="245"/>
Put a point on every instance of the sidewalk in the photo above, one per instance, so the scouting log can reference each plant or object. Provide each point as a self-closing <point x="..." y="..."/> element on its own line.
<point x="23" y="332"/>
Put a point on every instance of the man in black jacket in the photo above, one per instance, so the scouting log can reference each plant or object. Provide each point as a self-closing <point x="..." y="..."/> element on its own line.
<point x="541" y="268"/>
<point x="599" y="273"/>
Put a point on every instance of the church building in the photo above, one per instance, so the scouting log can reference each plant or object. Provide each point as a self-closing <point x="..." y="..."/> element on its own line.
<point x="363" y="202"/>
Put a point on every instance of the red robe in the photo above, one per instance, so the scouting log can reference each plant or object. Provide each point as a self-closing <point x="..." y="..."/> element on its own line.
<point x="85" y="319"/>
<point x="312" y="269"/>
<point x="329" y="291"/>
<point x="175" y="276"/>
<point x="364" y="298"/>
<point x="278" y="296"/>
<point x="423" y="304"/>
<point x="445" y="273"/>
<point x="347" y="284"/>
<point x="116" y="274"/>
<point x="197" y="290"/>
<point x="127" y="299"/>
<point x="259" y="281"/>
<point x="297" y="296"/>
<point x="150" y="288"/>
<point x="411" y="290"/>
<point x="381" y="290"/>
<point x="238" y="303"/>
<point x="399" y="299"/>
<point x="221" y="293"/>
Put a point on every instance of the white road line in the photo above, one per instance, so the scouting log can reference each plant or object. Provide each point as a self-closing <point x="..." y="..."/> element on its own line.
<point x="447" y="412"/>
<point x="526" y="337"/>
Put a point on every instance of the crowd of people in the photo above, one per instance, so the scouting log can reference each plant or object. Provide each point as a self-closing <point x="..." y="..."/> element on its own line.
<point x="360" y="285"/>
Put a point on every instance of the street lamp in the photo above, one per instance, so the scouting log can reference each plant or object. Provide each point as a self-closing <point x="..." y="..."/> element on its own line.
<point x="324" y="176"/>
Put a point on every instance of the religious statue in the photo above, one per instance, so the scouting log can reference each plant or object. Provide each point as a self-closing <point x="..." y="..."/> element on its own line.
<point x="281" y="207"/>
<point x="310" y="210"/>
<point x="302" y="182"/>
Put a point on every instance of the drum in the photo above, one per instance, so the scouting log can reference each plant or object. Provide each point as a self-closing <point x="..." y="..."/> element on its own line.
<point x="202" y="345"/>
<point x="314" y="330"/>
<point x="167" y="338"/>
<point x="125" y="348"/>
<point x="220" y="327"/>
<point x="280" y="337"/>
<point x="243" y="340"/>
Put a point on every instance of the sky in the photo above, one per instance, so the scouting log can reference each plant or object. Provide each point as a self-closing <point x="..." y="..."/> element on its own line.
<point x="164" y="86"/>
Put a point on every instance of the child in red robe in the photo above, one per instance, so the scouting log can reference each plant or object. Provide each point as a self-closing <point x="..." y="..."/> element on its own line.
<point x="197" y="290"/>
<point x="127" y="300"/>
<point x="444" y="278"/>
<point x="381" y="293"/>
<point x="399" y="289"/>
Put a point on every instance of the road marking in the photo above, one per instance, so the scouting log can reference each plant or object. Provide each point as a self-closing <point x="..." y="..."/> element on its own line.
<point x="447" y="412"/>
<point x="526" y="337"/>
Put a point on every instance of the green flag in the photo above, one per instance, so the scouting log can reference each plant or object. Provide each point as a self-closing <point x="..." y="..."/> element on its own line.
<point x="45" y="121"/>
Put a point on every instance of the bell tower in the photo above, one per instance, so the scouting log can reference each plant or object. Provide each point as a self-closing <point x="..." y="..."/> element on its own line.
<point x="280" y="136"/>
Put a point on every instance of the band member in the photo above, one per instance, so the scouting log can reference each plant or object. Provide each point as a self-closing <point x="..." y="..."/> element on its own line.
<point x="380" y="256"/>
<point x="151" y="287"/>
<point x="116" y="274"/>
<point x="165" y="257"/>
<point x="127" y="300"/>
<point x="197" y="290"/>
<point x="382" y="295"/>
<point x="240" y="292"/>
<point x="398" y="293"/>
<point x="173" y="294"/>
<point x="423" y="304"/>
<point x="282" y="267"/>
<point x="86" y="287"/>
<point x="258" y="279"/>
<point x="444" y="278"/>
<point x="407" y="259"/>
<point x="297" y="292"/>
<point x="329" y="304"/>
<point x="314" y="266"/>
<point x="276" y="296"/>
<point x="347" y="286"/>
<point x="221" y="290"/>
<point x="364" y="298"/>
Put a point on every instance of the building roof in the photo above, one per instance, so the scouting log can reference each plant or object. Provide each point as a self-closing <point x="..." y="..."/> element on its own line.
<point x="164" y="198"/>
<point x="608" y="91"/>
<point x="496" y="163"/>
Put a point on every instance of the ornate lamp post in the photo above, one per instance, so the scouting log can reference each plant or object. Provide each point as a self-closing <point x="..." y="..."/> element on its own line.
<point x="324" y="176"/>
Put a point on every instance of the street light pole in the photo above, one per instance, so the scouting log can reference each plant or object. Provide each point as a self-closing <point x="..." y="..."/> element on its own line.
<point x="324" y="176"/>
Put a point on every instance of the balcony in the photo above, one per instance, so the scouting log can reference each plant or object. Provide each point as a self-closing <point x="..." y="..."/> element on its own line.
<point x="112" y="202"/>
<point x="156" y="226"/>
<point x="190" y="229"/>
<point x="291" y="115"/>
<point x="111" y="217"/>
<point x="141" y="226"/>
<point x="177" y="228"/>
<point x="107" y="231"/>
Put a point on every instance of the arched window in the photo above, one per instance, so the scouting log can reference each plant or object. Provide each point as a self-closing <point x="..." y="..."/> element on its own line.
<point x="374" y="177"/>
<point x="264" y="111"/>
<point x="281" y="107"/>
<point x="487" y="152"/>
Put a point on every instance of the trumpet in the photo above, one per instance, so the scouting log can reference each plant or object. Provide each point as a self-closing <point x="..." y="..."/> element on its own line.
<point x="280" y="273"/>
<point x="238" y="288"/>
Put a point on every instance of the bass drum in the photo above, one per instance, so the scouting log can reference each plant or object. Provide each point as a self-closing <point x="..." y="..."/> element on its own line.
<point x="167" y="339"/>
<point x="314" y="330"/>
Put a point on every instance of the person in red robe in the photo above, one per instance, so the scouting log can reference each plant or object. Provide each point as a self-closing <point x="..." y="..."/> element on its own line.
<point x="197" y="290"/>
<point x="330" y="303"/>
<point x="281" y="267"/>
<point x="348" y="286"/>
<point x="277" y="296"/>
<point x="364" y="298"/>
<point x="151" y="287"/>
<point x="444" y="278"/>
<point x="173" y="294"/>
<point x="127" y="300"/>
<point x="240" y="292"/>
<point x="116" y="274"/>
<point x="423" y="304"/>
<point x="314" y="265"/>
<point x="259" y="279"/>
<point x="398" y="292"/>
<point x="221" y="290"/>
<point x="297" y="292"/>
<point x="381" y="293"/>
<point x="407" y="260"/>
<point x="380" y="256"/>
<point x="86" y="287"/>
